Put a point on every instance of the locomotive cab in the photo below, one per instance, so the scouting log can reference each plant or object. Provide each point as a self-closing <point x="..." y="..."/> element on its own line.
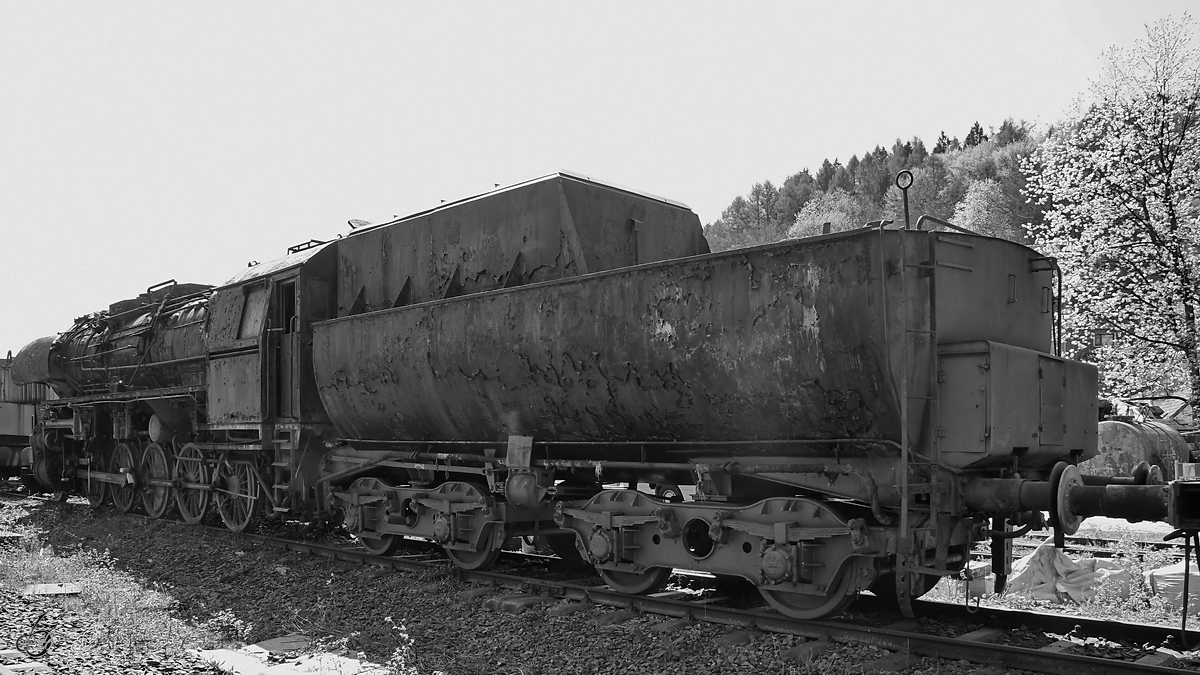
<point x="263" y="412"/>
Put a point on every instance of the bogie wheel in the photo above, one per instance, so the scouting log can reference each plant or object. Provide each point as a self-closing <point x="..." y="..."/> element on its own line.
<point x="124" y="461"/>
<point x="491" y="540"/>
<point x="384" y="544"/>
<point x="32" y="486"/>
<point x="884" y="587"/>
<point x="669" y="492"/>
<point x="636" y="583"/>
<point x="156" y="466"/>
<point x="366" y="519"/>
<point x="475" y="560"/>
<point x="563" y="546"/>
<point x="97" y="491"/>
<point x="190" y="469"/>
<point x="238" y="495"/>
<point x="809" y="607"/>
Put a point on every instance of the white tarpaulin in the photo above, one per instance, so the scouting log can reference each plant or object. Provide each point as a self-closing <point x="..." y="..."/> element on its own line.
<point x="1049" y="574"/>
<point x="1167" y="582"/>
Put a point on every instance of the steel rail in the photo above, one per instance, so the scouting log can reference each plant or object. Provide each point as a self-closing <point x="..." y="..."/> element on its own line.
<point x="1061" y="624"/>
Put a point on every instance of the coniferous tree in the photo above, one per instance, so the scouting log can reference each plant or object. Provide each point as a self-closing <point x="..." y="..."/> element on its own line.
<point x="841" y="179"/>
<point x="918" y="154"/>
<point x="975" y="137"/>
<point x="942" y="145"/>
<point x="1010" y="133"/>
<point x="871" y="179"/>
<point x="825" y="175"/>
<point x="795" y="192"/>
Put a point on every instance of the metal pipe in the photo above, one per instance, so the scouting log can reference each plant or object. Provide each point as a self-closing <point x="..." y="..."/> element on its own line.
<point x="265" y="486"/>
<point x="1132" y="502"/>
<point x="1019" y="532"/>
<point x="1111" y="480"/>
<point x="152" y="364"/>
<point x="355" y="470"/>
<point x="93" y="355"/>
<point x="173" y="302"/>
<point x="997" y="496"/>
<point x="686" y="444"/>
<point x="1058" y="312"/>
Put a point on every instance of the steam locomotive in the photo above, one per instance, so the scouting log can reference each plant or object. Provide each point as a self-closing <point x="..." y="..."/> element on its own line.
<point x="854" y="410"/>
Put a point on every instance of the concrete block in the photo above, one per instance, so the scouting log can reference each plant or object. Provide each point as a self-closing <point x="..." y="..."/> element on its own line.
<point x="242" y="664"/>
<point x="670" y="595"/>
<point x="1159" y="658"/>
<point x="892" y="663"/>
<point x="982" y="635"/>
<point x="516" y="604"/>
<point x="670" y="626"/>
<point x="567" y="608"/>
<point x="738" y="637"/>
<point x="31" y="667"/>
<point x="807" y="651"/>
<point x="285" y="643"/>
<point x="53" y="589"/>
<point x="613" y="617"/>
<point x="475" y="592"/>
<point x="310" y="664"/>
<point x="1059" y="647"/>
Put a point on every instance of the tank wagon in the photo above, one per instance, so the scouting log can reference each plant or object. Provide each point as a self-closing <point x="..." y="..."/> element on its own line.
<point x="1139" y="434"/>
<point x="855" y="410"/>
<point x="18" y="407"/>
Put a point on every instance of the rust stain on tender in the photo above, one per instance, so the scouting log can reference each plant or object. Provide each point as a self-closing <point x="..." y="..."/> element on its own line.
<point x="741" y="346"/>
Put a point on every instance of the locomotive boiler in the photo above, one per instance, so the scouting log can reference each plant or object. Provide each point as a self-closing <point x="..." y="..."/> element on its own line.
<point x="855" y="410"/>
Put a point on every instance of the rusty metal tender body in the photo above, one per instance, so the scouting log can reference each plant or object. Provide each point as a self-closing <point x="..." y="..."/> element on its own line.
<point x="796" y="341"/>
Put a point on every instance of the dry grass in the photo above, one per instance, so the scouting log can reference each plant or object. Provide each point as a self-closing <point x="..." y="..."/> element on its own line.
<point x="127" y="616"/>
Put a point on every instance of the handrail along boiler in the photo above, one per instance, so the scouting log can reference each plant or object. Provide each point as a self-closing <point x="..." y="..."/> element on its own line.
<point x="855" y="410"/>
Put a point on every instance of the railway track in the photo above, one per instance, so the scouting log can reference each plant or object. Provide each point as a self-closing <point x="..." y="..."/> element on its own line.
<point x="522" y="582"/>
<point x="1100" y="547"/>
<point x="514" y="592"/>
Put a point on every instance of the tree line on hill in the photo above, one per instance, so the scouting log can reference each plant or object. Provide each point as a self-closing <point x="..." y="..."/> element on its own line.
<point x="977" y="183"/>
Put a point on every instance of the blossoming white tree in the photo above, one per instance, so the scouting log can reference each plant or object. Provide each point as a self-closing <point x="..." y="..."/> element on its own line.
<point x="1121" y="183"/>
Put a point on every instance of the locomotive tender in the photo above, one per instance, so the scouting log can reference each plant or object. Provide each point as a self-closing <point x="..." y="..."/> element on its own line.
<point x="855" y="410"/>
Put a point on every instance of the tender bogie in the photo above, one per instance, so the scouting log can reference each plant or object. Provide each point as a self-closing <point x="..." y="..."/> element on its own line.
<point x="469" y="522"/>
<point x="791" y="546"/>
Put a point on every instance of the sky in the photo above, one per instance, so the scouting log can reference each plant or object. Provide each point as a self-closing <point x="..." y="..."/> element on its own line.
<point x="147" y="141"/>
